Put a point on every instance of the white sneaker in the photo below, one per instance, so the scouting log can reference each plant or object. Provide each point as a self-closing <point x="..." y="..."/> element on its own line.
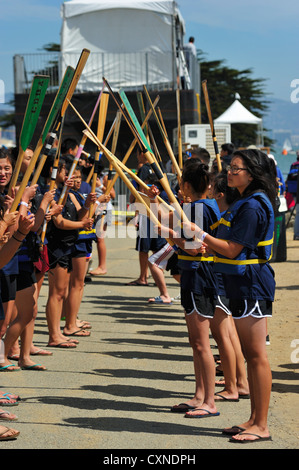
<point x="176" y="299"/>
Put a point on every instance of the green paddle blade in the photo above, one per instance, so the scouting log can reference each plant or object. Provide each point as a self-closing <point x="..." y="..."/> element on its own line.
<point x="35" y="101"/>
<point x="58" y="101"/>
<point x="134" y="119"/>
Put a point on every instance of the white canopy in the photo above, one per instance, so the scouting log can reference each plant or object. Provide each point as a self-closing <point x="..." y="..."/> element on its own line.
<point x="237" y="114"/>
<point x="79" y="7"/>
<point x="131" y="42"/>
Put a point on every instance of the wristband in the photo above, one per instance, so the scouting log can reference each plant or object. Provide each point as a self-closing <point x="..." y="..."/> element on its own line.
<point x="20" y="241"/>
<point x="23" y="203"/>
<point x="24" y="234"/>
<point x="86" y="208"/>
<point x="203" y="236"/>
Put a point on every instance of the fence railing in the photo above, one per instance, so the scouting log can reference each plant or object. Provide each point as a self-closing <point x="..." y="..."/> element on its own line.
<point x="158" y="71"/>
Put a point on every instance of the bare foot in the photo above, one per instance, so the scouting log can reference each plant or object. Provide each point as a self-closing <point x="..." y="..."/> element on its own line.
<point x="7" y="416"/>
<point x="205" y="411"/>
<point x="34" y="351"/>
<point x="8" y="367"/>
<point x="83" y="324"/>
<point x="187" y="405"/>
<point x="253" y="433"/>
<point x="30" y="365"/>
<point x="98" y="272"/>
<point x="76" y="332"/>
<point x="7" y="434"/>
<point x="224" y="395"/>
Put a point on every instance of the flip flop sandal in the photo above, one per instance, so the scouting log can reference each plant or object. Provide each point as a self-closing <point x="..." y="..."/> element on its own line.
<point x="247" y="441"/>
<point x="11" y="401"/>
<point x="6" y="368"/>
<point x="8" y="438"/>
<point x="9" y="414"/>
<point x="223" y="398"/>
<point x="76" y="333"/>
<point x="233" y="430"/>
<point x="158" y="300"/>
<point x="208" y="414"/>
<point x="182" y="408"/>
<point x="37" y="367"/>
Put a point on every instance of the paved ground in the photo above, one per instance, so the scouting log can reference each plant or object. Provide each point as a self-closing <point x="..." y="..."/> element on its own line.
<point x="115" y="389"/>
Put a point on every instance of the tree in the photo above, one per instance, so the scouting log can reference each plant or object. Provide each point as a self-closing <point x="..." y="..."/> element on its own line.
<point x="223" y="84"/>
<point x="8" y="119"/>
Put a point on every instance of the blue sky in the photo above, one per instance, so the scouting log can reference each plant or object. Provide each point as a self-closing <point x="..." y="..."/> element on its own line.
<point x="255" y="34"/>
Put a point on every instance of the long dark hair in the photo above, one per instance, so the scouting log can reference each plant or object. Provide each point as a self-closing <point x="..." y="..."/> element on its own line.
<point x="197" y="174"/>
<point x="221" y="186"/>
<point x="263" y="174"/>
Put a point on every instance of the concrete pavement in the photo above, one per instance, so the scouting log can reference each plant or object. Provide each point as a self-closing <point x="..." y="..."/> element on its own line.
<point x="114" y="391"/>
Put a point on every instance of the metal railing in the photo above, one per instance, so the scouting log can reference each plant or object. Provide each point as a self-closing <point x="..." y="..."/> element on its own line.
<point x="156" y="70"/>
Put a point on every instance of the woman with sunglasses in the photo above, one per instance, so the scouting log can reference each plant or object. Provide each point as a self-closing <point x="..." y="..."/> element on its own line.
<point x="242" y="251"/>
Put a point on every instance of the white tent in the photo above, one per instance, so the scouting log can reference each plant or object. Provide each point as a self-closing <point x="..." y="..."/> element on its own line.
<point x="238" y="114"/>
<point x="131" y="42"/>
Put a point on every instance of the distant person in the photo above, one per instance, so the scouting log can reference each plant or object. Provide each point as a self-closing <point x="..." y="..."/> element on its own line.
<point x="291" y="183"/>
<point x="295" y="165"/>
<point x="226" y="152"/>
<point x="69" y="147"/>
<point x="202" y="154"/>
<point x="191" y="45"/>
<point x="190" y="56"/>
<point x="280" y="178"/>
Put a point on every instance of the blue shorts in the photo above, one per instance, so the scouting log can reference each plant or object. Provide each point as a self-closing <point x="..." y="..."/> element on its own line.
<point x="149" y="244"/>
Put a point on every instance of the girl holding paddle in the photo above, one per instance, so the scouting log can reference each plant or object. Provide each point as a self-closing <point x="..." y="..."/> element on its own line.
<point x="242" y="251"/>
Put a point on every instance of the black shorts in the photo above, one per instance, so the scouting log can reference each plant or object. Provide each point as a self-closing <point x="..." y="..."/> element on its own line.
<point x="222" y="302"/>
<point x="149" y="244"/>
<point x="2" y="316"/>
<point x="65" y="261"/>
<point x="172" y="265"/>
<point x="8" y="287"/>
<point x="241" y="308"/>
<point x="79" y="254"/>
<point x="25" y="279"/>
<point x="203" y="304"/>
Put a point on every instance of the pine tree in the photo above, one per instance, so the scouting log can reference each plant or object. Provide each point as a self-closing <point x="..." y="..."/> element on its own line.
<point x="223" y="84"/>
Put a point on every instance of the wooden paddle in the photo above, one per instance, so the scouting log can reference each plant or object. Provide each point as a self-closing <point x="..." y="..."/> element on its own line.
<point x="207" y="101"/>
<point x="34" y="104"/>
<point x="79" y="68"/>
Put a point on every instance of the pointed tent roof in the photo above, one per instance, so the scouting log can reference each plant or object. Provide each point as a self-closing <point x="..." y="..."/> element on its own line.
<point x="237" y="113"/>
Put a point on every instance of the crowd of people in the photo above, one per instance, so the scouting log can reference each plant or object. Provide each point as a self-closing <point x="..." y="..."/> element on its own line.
<point x="52" y="230"/>
<point x="219" y="257"/>
<point x="221" y="260"/>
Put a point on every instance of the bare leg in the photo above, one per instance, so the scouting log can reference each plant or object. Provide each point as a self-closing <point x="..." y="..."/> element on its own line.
<point x="252" y="333"/>
<point x="26" y="299"/>
<point x="74" y="298"/>
<point x="58" y="286"/>
<point x="158" y="276"/>
<point x="220" y="328"/>
<point x="102" y="255"/>
<point x="199" y="328"/>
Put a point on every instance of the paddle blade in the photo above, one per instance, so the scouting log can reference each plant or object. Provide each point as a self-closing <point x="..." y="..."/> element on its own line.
<point x="134" y="120"/>
<point x="58" y="101"/>
<point x="35" y="101"/>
